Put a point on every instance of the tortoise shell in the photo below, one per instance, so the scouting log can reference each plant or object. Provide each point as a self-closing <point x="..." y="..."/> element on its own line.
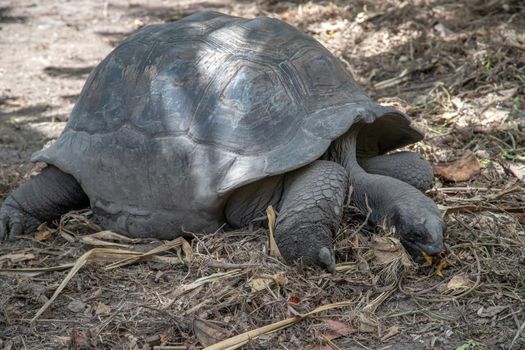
<point x="181" y="114"/>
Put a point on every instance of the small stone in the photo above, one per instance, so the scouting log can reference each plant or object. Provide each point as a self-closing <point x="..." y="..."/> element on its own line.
<point x="76" y="306"/>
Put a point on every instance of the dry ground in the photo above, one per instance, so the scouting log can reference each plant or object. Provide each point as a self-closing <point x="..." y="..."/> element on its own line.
<point x="456" y="67"/>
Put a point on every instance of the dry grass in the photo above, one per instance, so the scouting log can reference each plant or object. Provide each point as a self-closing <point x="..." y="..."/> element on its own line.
<point x="458" y="68"/>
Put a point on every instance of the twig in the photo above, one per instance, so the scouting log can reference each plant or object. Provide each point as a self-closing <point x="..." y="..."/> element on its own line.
<point x="229" y="266"/>
<point x="522" y="327"/>
<point x="478" y="278"/>
<point x="330" y="343"/>
<point x="241" y="339"/>
<point x="461" y="189"/>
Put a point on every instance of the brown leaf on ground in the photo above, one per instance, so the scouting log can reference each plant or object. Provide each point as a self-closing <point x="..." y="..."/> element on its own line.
<point x="459" y="170"/>
<point x="263" y="282"/>
<point x="387" y="250"/>
<point x="518" y="170"/>
<point x="493" y="118"/>
<point x="337" y="329"/>
<point x="491" y="310"/>
<point x="460" y="281"/>
<point x="367" y="324"/>
<point x="258" y="284"/>
<point x="43" y="232"/>
<point x="102" y="309"/>
<point x="208" y="332"/>
<point x="79" y="339"/>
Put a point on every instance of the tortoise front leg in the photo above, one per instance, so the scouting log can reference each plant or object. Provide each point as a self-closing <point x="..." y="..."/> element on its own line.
<point x="310" y="212"/>
<point x="43" y="198"/>
<point x="409" y="167"/>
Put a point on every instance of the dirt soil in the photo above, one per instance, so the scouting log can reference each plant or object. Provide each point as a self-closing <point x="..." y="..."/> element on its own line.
<point x="456" y="67"/>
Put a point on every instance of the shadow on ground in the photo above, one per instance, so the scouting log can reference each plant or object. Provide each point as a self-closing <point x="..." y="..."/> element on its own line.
<point x="5" y="17"/>
<point x="18" y="139"/>
<point x="69" y="72"/>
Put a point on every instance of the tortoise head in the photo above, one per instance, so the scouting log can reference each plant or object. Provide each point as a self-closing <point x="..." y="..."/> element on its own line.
<point x="420" y="229"/>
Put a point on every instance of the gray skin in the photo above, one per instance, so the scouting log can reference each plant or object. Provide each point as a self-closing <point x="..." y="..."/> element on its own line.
<point x="206" y="121"/>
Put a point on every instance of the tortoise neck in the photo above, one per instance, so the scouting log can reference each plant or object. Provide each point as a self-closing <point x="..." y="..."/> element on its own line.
<point x="344" y="152"/>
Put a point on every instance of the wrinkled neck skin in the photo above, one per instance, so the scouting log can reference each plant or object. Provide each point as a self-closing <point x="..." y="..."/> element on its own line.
<point x="344" y="151"/>
<point x="367" y="190"/>
<point x="388" y="200"/>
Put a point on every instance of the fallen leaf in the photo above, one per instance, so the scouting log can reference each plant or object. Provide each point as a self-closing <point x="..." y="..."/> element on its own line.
<point x="507" y="94"/>
<point x="493" y="117"/>
<point x="367" y="324"/>
<point x="518" y="170"/>
<point x="260" y="283"/>
<point x="164" y="339"/>
<point x="491" y="310"/>
<point x="387" y="250"/>
<point x="459" y="281"/>
<point x="337" y="329"/>
<point x="102" y="309"/>
<point x="208" y="332"/>
<point x="280" y="278"/>
<point x="43" y="232"/>
<point x="79" y="339"/>
<point x="390" y="333"/>
<point x="459" y="170"/>
<point x="76" y="306"/>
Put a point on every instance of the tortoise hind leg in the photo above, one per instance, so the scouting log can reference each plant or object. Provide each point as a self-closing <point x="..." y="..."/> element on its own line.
<point x="43" y="198"/>
<point x="409" y="167"/>
<point x="247" y="205"/>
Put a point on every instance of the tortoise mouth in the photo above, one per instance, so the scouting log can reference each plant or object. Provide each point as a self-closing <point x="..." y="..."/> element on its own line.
<point x="415" y="249"/>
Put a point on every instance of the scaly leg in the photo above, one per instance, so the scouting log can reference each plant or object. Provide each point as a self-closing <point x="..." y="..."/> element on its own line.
<point x="43" y="198"/>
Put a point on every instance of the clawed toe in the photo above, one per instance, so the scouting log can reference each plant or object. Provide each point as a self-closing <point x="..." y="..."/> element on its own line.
<point x="14" y="222"/>
<point x="327" y="259"/>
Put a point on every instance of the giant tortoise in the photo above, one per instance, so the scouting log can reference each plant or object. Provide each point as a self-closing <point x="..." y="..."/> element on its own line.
<point x="207" y="121"/>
